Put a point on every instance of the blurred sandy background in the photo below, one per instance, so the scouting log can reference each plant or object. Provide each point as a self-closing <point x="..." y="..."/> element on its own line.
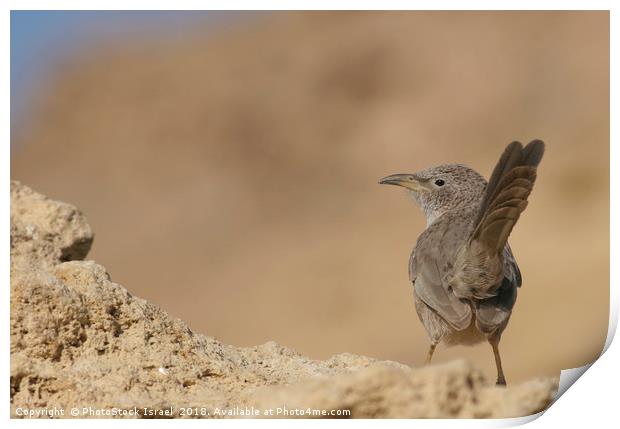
<point x="230" y="175"/>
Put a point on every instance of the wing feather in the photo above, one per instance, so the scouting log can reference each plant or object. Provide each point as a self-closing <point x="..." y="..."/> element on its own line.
<point x="493" y="312"/>
<point x="430" y="287"/>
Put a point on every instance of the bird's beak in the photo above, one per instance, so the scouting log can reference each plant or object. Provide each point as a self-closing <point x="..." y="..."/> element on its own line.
<point x="409" y="181"/>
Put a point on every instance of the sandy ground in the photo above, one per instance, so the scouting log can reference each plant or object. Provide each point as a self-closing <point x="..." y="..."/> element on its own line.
<point x="231" y="177"/>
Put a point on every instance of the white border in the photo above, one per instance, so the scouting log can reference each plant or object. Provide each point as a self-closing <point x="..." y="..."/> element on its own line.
<point x="592" y="401"/>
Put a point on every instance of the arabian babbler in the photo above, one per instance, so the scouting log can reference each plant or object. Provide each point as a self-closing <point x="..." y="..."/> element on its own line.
<point x="464" y="275"/>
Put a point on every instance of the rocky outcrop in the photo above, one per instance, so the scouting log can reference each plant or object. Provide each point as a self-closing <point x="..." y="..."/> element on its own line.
<point x="45" y="232"/>
<point x="79" y="340"/>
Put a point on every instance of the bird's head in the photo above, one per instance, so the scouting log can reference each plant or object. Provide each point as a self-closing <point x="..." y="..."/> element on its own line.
<point x="440" y="189"/>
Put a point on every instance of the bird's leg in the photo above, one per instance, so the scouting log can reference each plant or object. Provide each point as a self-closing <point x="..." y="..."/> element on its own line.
<point x="501" y="380"/>
<point x="429" y="356"/>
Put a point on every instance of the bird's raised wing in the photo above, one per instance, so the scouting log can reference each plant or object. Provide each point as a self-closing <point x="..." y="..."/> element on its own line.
<point x="506" y="194"/>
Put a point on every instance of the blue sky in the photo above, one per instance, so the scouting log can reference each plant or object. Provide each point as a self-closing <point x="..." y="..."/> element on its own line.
<point x="42" y="40"/>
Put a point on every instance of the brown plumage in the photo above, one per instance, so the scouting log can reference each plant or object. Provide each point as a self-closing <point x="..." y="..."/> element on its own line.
<point x="464" y="274"/>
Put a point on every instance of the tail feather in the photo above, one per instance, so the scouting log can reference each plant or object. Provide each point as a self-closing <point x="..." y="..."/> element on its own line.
<point x="514" y="203"/>
<point x="511" y="155"/>
<point x="532" y="153"/>
<point x="506" y="195"/>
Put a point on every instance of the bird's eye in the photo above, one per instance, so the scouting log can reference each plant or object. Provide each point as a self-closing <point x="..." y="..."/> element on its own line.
<point x="439" y="182"/>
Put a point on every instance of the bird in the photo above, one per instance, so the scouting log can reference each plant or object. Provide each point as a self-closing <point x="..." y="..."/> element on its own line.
<point x="464" y="274"/>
